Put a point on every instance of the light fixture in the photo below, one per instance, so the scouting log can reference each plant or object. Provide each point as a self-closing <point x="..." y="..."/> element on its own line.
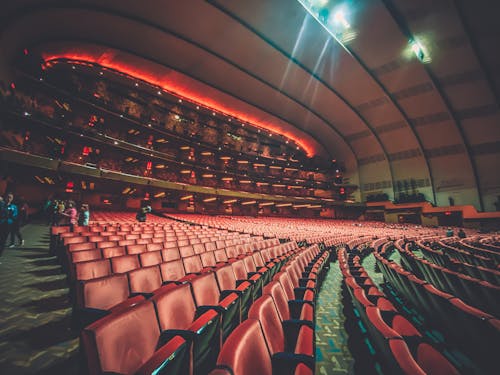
<point x="266" y="204"/>
<point x="229" y="201"/>
<point x="210" y="199"/>
<point x="284" y="205"/>
<point x="186" y="197"/>
<point x="248" y="202"/>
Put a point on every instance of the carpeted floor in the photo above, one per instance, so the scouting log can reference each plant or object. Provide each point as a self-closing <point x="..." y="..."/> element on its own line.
<point x="332" y="353"/>
<point x="35" y="334"/>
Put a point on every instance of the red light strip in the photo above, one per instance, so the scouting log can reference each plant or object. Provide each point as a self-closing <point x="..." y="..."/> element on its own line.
<point x="106" y="60"/>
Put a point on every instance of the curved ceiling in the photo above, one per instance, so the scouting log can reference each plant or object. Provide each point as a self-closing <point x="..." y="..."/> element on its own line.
<point x="397" y="123"/>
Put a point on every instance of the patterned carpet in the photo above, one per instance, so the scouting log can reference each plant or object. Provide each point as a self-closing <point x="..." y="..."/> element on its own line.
<point x="35" y="334"/>
<point x="332" y="353"/>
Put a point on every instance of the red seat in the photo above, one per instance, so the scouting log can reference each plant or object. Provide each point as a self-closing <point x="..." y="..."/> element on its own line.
<point x="245" y="351"/>
<point x="145" y="280"/>
<point x="169" y="254"/>
<point x="207" y="296"/>
<point x="137" y="332"/>
<point x="115" y="251"/>
<point x="151" y="258"/>
<point x="105" y="244"/>
<point x="177" y="311"/>
<point x="186" y="251"/>
<point x="125" y="263"/>
<point x="154" y="247"/>
<point x="92" y="269"/>
<point x="172" y="271"/>
<point x="227" y="284"/>
<point x="81" y="246"/>
<point x="85" y="255"/>
<point x="97" y="297"/>
<point x="298" y="339"/>
<point x="136" y="249"/>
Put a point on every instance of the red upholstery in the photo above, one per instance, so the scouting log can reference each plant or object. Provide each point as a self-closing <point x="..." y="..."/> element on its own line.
<point x="192" y="264"/>
<point x="125" y="263"/>
<point x="136" y="249"/>
<point x="92" y="269"/>
<point x="151" y="258"/>
<point x="433" y="362"/>
<point x="85" y="255"/>
<point x="245" y="351"/>
<point x="103" y="293"/>
<point x="172" y="271"/>
<point x="114" y="251"/>
<point x="81" y="246"/>
<point x="145" y="280"/>
<point x="171" y="253"/>
<point x="137" y="332"/>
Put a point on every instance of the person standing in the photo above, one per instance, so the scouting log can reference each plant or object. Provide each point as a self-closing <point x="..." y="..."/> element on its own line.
<point x="71" y="214"/>
<point x="13" y="221"/>
<point x="84" y="216"/>
<point x="4" y="228"/>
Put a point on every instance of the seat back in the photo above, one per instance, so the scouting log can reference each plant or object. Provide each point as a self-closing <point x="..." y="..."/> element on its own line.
<point x="275" y="290"/>
<point x="239" y="270"/>
<point x="136" y="249"/>
<point x="192" y="264"/>
<point x="92" y="269"/>
<point x="176" y="308"/>
<point x="151" y="258"/>
<point x="264" y="310"/>
<point x="245" y="350"/>
<point x="102" y="293"/>
<point x="145" y="280"/>
<point x="125" y="263"/>
<point x="225" y="278"/>
<point x="115" y="251"/>
<point x="135" y="329"/>
<point x="172" y="271"/>
<point x="205" y="290"/>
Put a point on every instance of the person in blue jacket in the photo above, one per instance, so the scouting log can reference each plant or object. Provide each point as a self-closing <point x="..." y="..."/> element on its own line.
<point x="4" y="227"/>
<point x="13" y="221"/>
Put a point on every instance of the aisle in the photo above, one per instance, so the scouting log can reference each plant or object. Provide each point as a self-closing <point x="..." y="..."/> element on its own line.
<point x="35" y="311"/>
<point x="332" y="353"/>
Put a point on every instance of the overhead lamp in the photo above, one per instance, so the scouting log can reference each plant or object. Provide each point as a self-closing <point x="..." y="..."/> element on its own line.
<point x="186" y="197"/>
<point x="266" y="204"/>
<point x="210" y="199"/>
<point x="248" y="202"/>
<point x="284" y="205"/>
<point x="229" y="201"/>
<point x="186" y="171"/>
<point x="159" y="195"/>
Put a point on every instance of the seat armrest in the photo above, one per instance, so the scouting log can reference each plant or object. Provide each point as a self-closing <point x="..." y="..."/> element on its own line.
<point x="291" y="329"/>
<point x="295" y="307"/>
<point x="285" y="363"/>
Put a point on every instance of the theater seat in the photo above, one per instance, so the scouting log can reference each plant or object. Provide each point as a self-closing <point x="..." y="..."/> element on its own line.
<point x="126" y="343"/>
<point x="245" y="351"/>
<point x="298" y="342"/>
<point x="207" y="296"/>
<point x="145" y="280"/>
<point x="177" y="316"/>
<point x="125" y="263"/>
<point x="98" y="297"/>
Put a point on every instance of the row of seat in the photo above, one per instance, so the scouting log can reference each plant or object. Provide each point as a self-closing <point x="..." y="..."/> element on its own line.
<point x="465" y="255"/>
<point x="90" y="290"/>
<point x="438" y="257"/>
<point x="475" y="292"/>
<point x="401" y="347"/>
<point x="474" y="331"/>
<point x="192" y="319"/>
<point x="278" y="336"/>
